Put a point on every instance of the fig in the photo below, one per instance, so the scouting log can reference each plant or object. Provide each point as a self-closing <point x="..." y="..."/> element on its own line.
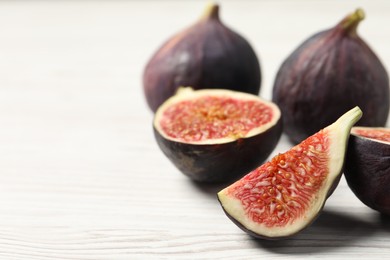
<point x="286" y="194"/>
<point x="216" y="135"/>
<point x="206" y="55"/>
<point x="329" y="73"/>
<point x="367" y="166"/>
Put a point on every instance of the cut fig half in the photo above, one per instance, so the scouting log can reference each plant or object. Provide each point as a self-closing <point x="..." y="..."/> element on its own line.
<point x="367" y="166"/>
<point x="377" y="134"/>
<point x="216" y="135"/>
<point x="284" y="195"/>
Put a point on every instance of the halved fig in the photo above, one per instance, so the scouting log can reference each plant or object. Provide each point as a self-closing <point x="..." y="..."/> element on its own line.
<point x="216" y="135"/>
<point x="284" y="195"/>
<point x="367" y="166"/>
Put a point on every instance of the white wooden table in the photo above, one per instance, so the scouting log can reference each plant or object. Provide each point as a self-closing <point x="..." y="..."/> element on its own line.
<point x="81" y="176"/>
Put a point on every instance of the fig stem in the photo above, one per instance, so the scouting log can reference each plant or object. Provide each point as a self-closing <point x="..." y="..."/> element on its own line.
<point x="351" y="22"/>
<point x="211" y="12"/>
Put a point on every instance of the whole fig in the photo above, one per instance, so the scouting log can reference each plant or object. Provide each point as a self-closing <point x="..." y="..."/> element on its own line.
<point x="206" y="55"/>
<point x="331" y="72"/>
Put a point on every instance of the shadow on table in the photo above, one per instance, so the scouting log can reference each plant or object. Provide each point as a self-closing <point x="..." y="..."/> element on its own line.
<point x="384" y="223"/>
<point x="209" y="189"/>
<point x="330" y="230"/>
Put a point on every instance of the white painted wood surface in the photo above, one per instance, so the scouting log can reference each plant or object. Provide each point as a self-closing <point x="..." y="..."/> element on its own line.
<point x="81" y="176"/>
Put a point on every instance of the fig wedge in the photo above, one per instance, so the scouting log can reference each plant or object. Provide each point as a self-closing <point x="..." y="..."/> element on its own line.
<point x="286" y="194"/>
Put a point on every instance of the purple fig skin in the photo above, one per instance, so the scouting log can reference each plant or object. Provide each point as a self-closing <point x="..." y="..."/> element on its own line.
<point x="220" y="163"/>
<point x="367" y="172"/>
<point x="331" y="72"/>
<point x="206" y="55"/>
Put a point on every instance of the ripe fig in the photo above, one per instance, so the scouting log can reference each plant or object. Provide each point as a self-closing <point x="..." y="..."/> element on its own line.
<point x="204" y="56"/>
<point x="330" y="73"/>
<point x="216" y="135"/>
<point x="367" y="166"/>
<point x="284" y="195"/>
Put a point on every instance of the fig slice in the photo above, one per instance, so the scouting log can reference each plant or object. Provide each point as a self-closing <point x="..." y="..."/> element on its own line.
<point x="284" y="195"/>
<point x="216" y="135"/>
<point x="367" y="166"/>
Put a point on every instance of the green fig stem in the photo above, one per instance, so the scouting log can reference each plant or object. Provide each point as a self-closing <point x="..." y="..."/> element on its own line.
<point x="211" y="12"/>
<point x="350" y="23"/>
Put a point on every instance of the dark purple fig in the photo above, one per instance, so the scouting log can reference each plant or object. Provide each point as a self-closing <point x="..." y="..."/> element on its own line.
<point x="286" y="194"/>
<point x="206" y="55"/>
<point x="367" y="167"/>
<point x="215" y="135"/>
<point x="329" y="73"/>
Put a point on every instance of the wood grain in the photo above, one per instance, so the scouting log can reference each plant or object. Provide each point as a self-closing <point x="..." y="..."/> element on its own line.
<point x="81" y="176"/>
